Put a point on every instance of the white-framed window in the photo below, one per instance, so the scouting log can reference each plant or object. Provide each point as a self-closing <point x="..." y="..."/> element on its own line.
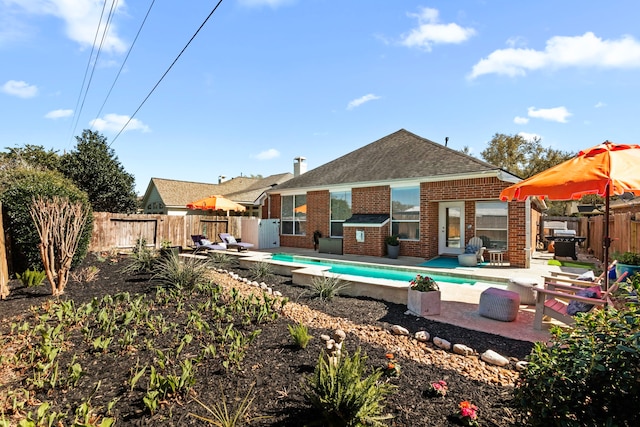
<point x="405" y="212"/>
<point x="340" y="211"/>
<point x="293" y="218"/>
<point x="492" y="222"/>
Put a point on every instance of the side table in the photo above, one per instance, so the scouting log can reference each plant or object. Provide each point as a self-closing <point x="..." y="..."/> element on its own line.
<point x="496" y="257"/>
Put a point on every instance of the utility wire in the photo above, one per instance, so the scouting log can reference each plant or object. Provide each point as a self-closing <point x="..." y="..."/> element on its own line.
<point x="86" y="72"/>
<point x="126" y="57"/>
<point x="166" y="72"/>
<point x="95" y="63"/>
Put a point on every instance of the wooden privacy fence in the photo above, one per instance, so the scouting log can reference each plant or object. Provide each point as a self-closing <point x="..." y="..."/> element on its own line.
<point x="122" y="231"/>
<point x="624" y="230"/>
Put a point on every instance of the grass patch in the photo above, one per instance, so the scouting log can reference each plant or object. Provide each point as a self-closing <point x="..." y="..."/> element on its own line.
<point x="573" y="264"/>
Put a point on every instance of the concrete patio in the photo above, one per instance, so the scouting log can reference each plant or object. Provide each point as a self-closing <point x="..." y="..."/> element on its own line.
<point x="460" y="302"/>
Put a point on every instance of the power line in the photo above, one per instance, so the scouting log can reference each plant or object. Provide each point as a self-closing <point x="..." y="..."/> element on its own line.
<point x="126" y="57"/>
<point x="166" y="72"/>
<point x="86" y="71"/>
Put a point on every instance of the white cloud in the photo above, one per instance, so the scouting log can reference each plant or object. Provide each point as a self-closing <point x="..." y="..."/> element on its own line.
<point x="269" y="154"/>
<point x="20" y="89"/>
<point x="81" y="18"/>
<point x="430" y="31"/>
<point x="529" y="136"/>
<point x="600" y="104"/>
<point x="557" y="114"/>
<point x="520" y="120"/>
<point x="271" y="3"/>
<point x="115" y="122"/>
<point x="562" y="52"/>
<point x="359" y="101"/>
<point x="58" y="114"/>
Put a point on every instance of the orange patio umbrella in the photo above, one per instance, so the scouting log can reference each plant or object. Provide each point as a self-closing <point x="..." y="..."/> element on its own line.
<point x="607" y="169"/>
<point x="216" y="203"/>
<point x="301" y="209"/>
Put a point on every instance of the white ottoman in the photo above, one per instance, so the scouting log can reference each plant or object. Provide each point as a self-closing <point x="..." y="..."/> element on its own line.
<point x="499" y="304"/>
<point x="468" y="260"/>
<point x="524" y="286"/>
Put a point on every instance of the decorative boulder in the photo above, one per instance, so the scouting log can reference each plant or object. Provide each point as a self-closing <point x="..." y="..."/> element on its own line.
<point x="494" y="358"/>
<point x="399" y="330"/>
<point x="442" y="343"/>
<point x="462" y="349"/>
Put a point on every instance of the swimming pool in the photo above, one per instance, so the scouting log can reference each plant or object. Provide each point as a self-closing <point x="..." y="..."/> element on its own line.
<point x="379" y="271"/>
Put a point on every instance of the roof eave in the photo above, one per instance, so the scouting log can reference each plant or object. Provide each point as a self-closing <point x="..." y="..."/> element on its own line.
<point x="498" y="173"/>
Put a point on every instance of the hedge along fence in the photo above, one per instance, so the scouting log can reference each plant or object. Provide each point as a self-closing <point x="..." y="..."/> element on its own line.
<point x="121" y="231"/>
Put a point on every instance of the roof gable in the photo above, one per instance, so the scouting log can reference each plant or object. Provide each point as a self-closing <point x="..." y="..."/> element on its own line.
<point x="240" y="189"/>
<point x="400" y="155"/>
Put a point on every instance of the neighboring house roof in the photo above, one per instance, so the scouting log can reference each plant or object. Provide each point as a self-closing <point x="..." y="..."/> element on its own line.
<point x="176" y="193"/>
<point x="251" y="194"/>
<point x="401" y="155"/>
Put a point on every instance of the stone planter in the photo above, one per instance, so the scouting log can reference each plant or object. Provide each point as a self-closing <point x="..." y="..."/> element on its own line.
<point x="393" y="251"/>
<point x="424" y="303"/>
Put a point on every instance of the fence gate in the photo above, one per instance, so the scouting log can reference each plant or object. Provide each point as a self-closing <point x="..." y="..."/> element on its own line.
<point x="130" y="231"/>
<point x="269" y="233"/>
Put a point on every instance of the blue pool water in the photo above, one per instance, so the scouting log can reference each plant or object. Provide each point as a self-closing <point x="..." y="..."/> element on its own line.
<point x="375" y="272"/>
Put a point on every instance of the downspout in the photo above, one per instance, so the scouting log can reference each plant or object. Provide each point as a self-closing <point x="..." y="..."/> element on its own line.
<point x="527" y="225"/>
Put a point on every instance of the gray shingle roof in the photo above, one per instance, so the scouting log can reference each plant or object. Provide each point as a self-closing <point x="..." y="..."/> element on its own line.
<point x="240" y="189"/>
<point x="400" y="155"/>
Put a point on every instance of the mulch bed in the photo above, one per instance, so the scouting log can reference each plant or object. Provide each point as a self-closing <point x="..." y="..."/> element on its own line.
<point x="274" y="369"/>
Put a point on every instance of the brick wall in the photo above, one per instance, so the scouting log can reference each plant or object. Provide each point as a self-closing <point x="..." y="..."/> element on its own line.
<point x="377" y="199"/>
<point x="373" y="245"/>
<point x="369" y="200"/>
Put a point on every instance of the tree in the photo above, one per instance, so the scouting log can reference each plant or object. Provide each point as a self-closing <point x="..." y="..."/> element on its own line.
<point x="26" y="185"/>
<point x="59" y="223"/>
<point x="520" y="156"/>
<point x="35" y="156"/>
<point x="94" y="168"/>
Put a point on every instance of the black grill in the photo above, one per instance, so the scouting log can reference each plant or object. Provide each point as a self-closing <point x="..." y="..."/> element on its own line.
<point x="565" y="243"/>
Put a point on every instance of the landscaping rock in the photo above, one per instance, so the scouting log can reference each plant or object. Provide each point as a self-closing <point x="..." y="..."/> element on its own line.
<point x="462" y="349"/>
<point x="399" y="330"/>
<point x="442" y="343"/>
<point x="494" y="358"/>
<point x="422" y="336"/>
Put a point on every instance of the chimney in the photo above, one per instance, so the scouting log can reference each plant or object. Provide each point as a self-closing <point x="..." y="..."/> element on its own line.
<point x="221" y="178"/>
<point x="299" y="166"/>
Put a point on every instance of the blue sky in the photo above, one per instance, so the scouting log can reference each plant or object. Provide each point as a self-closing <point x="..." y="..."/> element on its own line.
<point x="265" y="81"/>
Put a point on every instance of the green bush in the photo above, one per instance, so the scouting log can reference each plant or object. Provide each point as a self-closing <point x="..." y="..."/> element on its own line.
<point x="300" y="335"/>
<point x="586" y="376"/>
<point x="25" y="184"/>
<point x="628" y="258"/>
<point x="327" y="287"/>
<point x="345" y="395"/>
<point x="31" y="278"/>
<point x="261" y="271"/>
<point x="142" y="259"/>
<point x="187" y="273"/>
<point x="222" y="260"/>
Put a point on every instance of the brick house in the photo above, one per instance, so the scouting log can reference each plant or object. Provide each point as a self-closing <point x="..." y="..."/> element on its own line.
<point x="433" y="197"/>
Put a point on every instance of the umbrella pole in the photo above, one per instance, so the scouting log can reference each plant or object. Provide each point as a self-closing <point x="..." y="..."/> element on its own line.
<point x="607" y="239"/>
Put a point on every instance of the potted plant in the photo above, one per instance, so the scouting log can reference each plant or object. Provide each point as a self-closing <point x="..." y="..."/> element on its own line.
<point x="423" y="296"/>
<point x="393" y="246"/>
<point x="627" y="262"/>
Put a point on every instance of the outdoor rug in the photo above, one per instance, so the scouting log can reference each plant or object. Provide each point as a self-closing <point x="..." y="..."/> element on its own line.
<point x="446" y="262"/>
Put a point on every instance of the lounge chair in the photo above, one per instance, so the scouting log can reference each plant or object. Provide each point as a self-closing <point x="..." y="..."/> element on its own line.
<point x="476" y="245"/>
<point x="200" y="243"/>
<point x="586" y="279"/>
<point x="232" y="243"/>
<point x="562" y="301"/>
